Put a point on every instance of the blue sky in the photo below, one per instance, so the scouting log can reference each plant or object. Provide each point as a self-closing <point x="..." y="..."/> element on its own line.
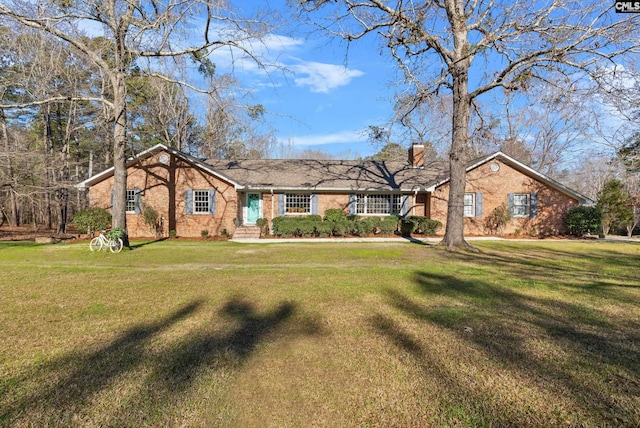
<point x="328" y="95"/>
<point x="325" y="96"/>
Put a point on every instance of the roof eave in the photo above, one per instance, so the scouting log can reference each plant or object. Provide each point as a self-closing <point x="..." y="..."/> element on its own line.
<point x="148" y="153"/>
<point x="582" y="200"/>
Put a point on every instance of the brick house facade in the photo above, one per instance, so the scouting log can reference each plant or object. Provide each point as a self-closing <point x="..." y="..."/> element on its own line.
<point x="191" y="196"/>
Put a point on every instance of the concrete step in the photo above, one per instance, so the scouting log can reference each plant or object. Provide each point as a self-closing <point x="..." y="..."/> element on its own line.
<point x="247" y="232"/>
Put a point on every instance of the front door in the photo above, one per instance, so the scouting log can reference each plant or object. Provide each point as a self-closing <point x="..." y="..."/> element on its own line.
<point x="253" y="207"/>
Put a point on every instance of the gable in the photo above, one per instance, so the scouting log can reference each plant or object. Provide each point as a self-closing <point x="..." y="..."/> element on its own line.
<point x="500" y="158"/>
<point x="156" y="151"/>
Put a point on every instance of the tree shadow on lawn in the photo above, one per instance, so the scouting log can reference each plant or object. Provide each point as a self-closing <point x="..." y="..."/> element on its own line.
<point x="587" y="275"/>
<point x="597" y="369"/>
<point x="70" y="397"/>
<point x="145" y="243"/>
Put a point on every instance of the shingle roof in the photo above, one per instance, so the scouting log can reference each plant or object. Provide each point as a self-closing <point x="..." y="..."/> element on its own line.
<point x="329" y="174"/>
<point x="335" y="175"/>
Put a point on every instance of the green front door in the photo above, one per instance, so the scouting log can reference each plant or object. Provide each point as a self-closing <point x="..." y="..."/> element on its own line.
<point x="253" y="207"/>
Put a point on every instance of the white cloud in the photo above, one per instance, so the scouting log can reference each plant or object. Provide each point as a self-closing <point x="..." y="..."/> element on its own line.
<point x="352" y="136"/>
<point x="322" y="77"/>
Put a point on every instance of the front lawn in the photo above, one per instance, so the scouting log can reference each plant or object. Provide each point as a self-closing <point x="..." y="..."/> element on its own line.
<point x="180" y="333"/>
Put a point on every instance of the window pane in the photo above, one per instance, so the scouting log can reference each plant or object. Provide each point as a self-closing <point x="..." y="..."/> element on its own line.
<point x="298" y="203"/>
<point x="521" y="205"/>
<point x="469" y="205"/>
<point x="201" y="201"/>
<point x="360" y="204"/>
<point x="131" y="200"/>
<point x="378" y="204"/>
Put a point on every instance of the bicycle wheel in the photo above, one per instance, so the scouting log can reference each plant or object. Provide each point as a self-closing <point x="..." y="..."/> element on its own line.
<point x="95" y="244"/>
<point x="116" y="245"/>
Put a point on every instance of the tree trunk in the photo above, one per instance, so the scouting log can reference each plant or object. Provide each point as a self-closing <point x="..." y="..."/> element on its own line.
<point x="454" y="232"/>
<point x="48" y="153"/>
<point x="460" y="62"/>
<point x="12" y="217"/>
<point x="119" y="208"/>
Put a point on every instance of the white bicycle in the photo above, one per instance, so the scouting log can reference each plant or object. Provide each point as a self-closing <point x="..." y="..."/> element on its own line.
<point x="105" y="241"/>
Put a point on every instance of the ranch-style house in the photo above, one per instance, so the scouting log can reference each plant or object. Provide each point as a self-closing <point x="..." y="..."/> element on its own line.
<point x="192" y="195"/>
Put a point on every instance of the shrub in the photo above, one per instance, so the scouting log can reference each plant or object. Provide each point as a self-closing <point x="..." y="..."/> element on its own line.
<point x="282" y="227"/>
<point x="407" y="227"/>
<point x="324" y="229"/>
<point x="342" y="227"/>
<point x="263" y="224"/>
<point x="358" y="228"/>
<point x="115" y="233"/>
<point x="388" y="225"/>
<point x="91" y="219"/>
<point x="498" y="219"/>
<point x="367" y="224"/>
<point x="151" y="218"/>
<point x="420" y="225"/>
<point x="204" y="234"/>
<point x="334" y="214"/>
<point x="306" y="226"/>
<point x="580" y="221"/>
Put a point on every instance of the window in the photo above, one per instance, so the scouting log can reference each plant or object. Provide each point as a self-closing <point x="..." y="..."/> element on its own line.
<point x="521" y="205"/>
<point x="133" y="201"/>
<point x="378" y="204"/>
<point x="297" y="203"/>
<point x="200" y="201"/>
<point x="469" y="205"/>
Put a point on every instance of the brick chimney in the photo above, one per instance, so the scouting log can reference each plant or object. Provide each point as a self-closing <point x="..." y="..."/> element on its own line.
<point x="416" y="155"/>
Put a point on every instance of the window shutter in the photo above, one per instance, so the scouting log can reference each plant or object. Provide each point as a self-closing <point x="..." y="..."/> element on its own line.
<point x="404" y="210"/>
<point x="281" y="197"/>
<point x="511" y="203"/>
<point x="479" y="204"/>
<point x="212" y="201"/>
<point x="137" y="193"/>
<point x="534" y="205"/>
<point x="352" y="204"/>
<point x="188" y="201"/>
<point x="314" y="203"/>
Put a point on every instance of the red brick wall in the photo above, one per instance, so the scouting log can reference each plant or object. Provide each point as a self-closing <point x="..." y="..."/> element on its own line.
<point x="155" y="180"/>
<point x="495" y="187"/>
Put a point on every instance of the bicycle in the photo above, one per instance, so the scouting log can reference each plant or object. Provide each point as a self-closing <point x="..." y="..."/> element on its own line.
<point x="114" y="244"/>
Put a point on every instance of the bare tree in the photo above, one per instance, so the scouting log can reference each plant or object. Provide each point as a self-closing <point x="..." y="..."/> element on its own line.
<point x="504" y="44"/>
<point x="162" y="113"/>
<point x="234" y="127"/>
<point x="134" y="31"/>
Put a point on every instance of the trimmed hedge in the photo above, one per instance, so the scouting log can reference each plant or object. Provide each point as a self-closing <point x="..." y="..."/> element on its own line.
<point x="91" y="219"/>
<point x="419" y="225"/>
<point x="583" y="220"/>
<point x="336" y="223"/>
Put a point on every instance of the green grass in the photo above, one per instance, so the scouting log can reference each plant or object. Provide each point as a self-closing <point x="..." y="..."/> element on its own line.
<point x="176" y="333"/>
